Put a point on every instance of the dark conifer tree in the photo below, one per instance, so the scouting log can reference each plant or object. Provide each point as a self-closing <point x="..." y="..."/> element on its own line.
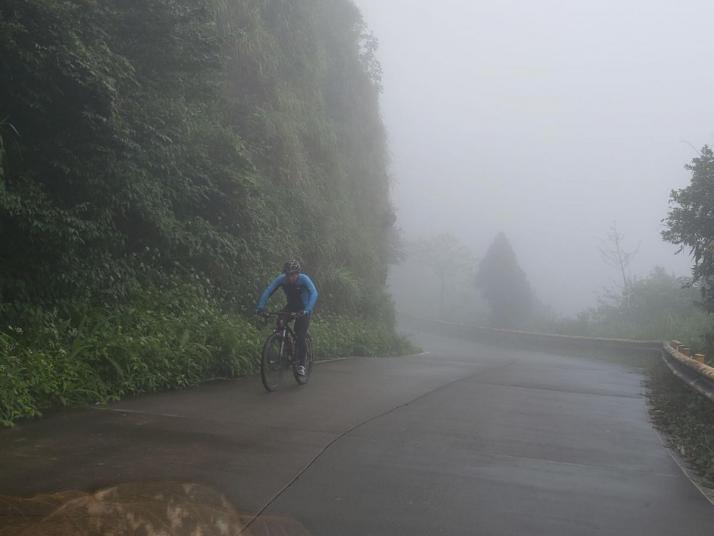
<point x="504" y="286"/>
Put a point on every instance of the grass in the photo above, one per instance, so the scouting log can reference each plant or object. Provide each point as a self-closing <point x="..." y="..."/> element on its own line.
<point x="685" y="418"/>
<point x="165" y="339"/>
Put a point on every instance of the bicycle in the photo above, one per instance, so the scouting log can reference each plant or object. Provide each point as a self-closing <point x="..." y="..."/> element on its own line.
<point x="278" y="353"/>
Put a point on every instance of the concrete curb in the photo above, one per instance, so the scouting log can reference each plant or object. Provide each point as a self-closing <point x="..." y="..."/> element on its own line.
<point x="707" y="492"/>
<point x="334" y="359"/>
<point x="540" y="341"/>
<point x="554" y="336"/>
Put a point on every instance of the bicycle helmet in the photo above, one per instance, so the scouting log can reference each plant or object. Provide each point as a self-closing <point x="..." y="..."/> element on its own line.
<point x="292" y="266"/>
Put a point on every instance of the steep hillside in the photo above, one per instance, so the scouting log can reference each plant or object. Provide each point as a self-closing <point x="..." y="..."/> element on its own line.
<point x="159" y="160"/>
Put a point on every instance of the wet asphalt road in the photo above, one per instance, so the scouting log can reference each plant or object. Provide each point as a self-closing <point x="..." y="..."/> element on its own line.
<point x="467" y="439"/>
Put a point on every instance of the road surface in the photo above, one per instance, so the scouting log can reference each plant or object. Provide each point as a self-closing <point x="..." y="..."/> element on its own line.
<point x="467" y="439"/>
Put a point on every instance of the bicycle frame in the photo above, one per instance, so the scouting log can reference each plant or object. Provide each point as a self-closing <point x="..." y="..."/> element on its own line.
<point x="283" y="329"/>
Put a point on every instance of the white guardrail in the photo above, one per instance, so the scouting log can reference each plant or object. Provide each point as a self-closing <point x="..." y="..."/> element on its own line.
<point x="690" y="369"/>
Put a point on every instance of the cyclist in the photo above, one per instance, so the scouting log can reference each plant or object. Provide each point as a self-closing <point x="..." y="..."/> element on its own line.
<point x="301" y="294"/>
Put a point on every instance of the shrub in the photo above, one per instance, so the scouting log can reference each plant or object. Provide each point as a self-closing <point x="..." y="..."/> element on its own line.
<point x="166" y="338"/>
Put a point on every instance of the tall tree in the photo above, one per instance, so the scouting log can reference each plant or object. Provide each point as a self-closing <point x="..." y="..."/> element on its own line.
<point x="504" y="285"/>
<point x="616" y="255"/>
<point x="690" y="223"/>
<point x="446" y="257"/>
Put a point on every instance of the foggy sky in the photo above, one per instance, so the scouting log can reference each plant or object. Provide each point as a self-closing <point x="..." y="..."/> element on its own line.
<point x="547" y="120"/>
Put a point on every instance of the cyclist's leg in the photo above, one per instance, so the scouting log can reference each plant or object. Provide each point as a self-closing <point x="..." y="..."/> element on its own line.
<point x="301" y="326"/>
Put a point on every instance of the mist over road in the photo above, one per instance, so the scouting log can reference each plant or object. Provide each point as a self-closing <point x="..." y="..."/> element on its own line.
<point x="466" y="439"/>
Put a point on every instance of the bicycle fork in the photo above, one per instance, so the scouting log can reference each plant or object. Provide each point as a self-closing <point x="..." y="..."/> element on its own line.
<point x="283" y="344"/>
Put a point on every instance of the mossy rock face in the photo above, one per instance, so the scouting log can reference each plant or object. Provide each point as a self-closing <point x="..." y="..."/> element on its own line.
<point x="195" y="139"/>
<point x="158" y="163"/>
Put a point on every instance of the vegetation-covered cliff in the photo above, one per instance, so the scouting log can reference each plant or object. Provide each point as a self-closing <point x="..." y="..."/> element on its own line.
<point x="158" y="161"/>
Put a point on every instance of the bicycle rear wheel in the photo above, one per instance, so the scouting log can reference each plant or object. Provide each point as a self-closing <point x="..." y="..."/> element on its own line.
<point x="272" y="362"/>
<point x="302" y="380"/>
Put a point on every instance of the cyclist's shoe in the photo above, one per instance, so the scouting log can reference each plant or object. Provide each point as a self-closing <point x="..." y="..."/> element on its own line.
<point x="300" y="370"/>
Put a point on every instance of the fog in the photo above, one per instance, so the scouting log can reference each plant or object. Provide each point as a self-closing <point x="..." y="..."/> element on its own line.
<point x="548" y="121"/>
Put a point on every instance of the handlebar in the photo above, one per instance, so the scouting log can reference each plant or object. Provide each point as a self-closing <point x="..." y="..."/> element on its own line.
<point x="281" y="314"/>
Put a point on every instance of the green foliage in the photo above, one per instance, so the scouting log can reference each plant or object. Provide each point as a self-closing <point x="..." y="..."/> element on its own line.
<point x="178" y="137"/>
<point x="690" y="222"/>
<point x="336" y="335"/>
<point x="660" y="306"/>
<point x="504" y="286"/>
<point x="167" y="338"/>
<point x="158" y="161"/>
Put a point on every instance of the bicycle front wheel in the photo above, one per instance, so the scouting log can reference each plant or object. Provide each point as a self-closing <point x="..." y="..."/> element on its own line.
<point x="272" y="362"/>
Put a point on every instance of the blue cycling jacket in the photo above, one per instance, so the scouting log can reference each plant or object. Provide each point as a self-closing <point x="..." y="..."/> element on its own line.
<point x="301" y="296"/>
